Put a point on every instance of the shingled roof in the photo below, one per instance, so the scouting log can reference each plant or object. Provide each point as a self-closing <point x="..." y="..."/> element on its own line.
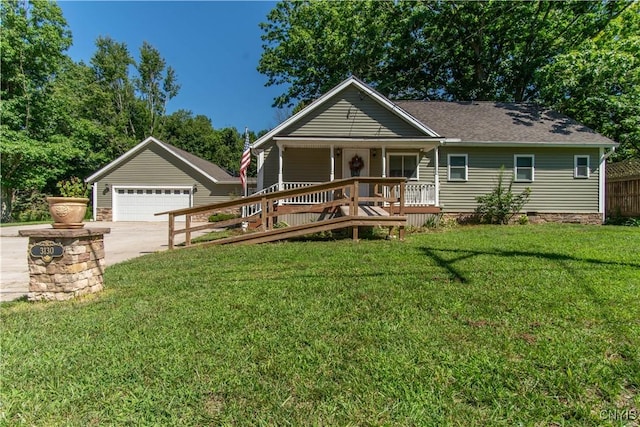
<point x="493" y="122"/>
<point x="211" y="169"/>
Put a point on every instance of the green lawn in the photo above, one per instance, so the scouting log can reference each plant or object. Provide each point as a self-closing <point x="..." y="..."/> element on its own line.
<point x="519" y="325"/>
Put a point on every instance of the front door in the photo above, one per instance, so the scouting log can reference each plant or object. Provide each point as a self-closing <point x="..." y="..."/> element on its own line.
<point x="355" y="162"/>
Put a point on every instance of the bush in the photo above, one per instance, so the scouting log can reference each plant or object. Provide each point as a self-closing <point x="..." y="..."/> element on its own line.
<point x="499" y="206"/>
<point x="30" y="206"/>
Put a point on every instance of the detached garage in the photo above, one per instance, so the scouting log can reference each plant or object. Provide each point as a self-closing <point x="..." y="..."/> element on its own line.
<point x="157" y="177"/>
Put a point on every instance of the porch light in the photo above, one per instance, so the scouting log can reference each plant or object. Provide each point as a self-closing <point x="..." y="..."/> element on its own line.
<point x="374" y="152"/>
<point x="338" y="151"/>
<point x="195" y="188"/>
<point x="106" y="187"/>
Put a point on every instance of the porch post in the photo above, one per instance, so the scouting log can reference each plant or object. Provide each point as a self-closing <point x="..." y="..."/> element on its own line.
<point x="602" y="184"/>
<point x="260" y="170"/>
<point x="436" y="175"/>
<point x="332" y="167"/>
<point x="280" y="180"/>
<point x="384" y="161"/>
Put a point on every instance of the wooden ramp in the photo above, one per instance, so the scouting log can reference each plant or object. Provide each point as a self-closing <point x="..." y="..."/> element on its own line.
<point x="341" y="196"/>
<point x="311" y="228"/>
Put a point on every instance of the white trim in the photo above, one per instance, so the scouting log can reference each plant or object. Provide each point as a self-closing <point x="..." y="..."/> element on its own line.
<point x="351" y="81"/>
<point x="280" y="167"/>
<point x="436" y="174"/>
<point x="575" y="166"/>
<point x="332" y="165"/>
<point x="407" y="154"/>
<point x="94" y="190"/>
<point x="460" y="143"/>
<point x="601" y="182"/>
<point x="515" y="167"/>
<point x="377" y="142"/>
<point x="384" y="161"/>
<point x="135" y="150"/>
<point x="466" y="167"/>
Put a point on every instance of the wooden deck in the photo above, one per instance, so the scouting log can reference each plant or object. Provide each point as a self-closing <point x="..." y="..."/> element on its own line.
<point x="352" y="211"/>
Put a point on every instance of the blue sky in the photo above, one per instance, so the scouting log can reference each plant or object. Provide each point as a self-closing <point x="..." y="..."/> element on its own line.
<point x="214" y="46"/>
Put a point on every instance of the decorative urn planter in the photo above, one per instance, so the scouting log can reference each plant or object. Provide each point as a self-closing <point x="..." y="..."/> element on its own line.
<point x="67" y="212"/>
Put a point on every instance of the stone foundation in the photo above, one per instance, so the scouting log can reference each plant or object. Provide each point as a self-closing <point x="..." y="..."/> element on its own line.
<point x="104" y="214"/>
<point x="78" y="271"/>
<point x="537" y="218"/>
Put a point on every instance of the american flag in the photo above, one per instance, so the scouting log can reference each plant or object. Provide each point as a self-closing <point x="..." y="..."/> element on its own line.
<point x="245" y="161"/>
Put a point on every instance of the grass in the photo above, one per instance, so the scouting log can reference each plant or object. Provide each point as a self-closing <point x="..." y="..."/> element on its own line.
<point x="535" y="325"/>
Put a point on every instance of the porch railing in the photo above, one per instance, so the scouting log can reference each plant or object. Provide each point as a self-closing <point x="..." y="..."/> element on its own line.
<point x="419" y="194"/>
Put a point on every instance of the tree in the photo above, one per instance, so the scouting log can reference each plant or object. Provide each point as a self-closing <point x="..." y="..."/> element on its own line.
<point x="110" y="65"/>
<point x="312" y="46"/>
<point x="488" y="50"/>
<point x="598" y="82"/>
<point x="155" y="85"/>
<point x="34" y="38"/>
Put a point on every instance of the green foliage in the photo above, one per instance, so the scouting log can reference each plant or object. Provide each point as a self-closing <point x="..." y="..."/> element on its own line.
<point x="501" y="204"/>
<point x="439" y="50"/>
<point x="73" y="187"/>
<point x="477" y="326"/>
<point x="30" y="206"/>
<point x="220" y="216"/>
<point x="598" y="82"/>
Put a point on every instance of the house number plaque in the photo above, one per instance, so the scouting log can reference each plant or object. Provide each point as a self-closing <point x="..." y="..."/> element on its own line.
<point x="47" y="250"/>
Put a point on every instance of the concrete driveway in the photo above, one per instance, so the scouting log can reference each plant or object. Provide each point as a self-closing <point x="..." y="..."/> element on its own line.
<point x="127" y="240"/>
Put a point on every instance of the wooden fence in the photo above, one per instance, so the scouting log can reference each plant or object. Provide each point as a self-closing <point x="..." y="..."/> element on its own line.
<point x="623" y="197"/>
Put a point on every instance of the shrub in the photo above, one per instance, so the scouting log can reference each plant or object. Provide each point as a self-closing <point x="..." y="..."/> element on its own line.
<point x="73" y="187"/>
<point x="499" y="206"/>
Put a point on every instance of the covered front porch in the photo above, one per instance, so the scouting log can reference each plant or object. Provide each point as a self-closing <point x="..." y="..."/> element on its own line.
<point x="300" y="162"/>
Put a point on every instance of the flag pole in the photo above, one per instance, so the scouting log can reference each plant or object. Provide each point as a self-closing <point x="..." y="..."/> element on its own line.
<point x="245" y="161"/>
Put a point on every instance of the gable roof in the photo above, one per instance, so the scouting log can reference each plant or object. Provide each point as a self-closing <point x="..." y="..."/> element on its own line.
<point x="211" y="171"/>
<point x="494" y="122"/>
<point x="358" y="84"/>
<point x="629" y="168"/>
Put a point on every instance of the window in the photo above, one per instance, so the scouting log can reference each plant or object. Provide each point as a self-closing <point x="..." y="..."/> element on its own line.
<point x="581" y="167"/>
<point x="524" y="166"/>
<point x="458" y="167"/>
<point x="405" y="165"/>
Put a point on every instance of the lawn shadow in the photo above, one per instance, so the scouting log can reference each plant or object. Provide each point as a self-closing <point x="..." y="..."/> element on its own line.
<point x="448" y="264"/>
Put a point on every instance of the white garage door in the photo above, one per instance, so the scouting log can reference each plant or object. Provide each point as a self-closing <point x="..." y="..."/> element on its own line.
<point x="141" y="204"/>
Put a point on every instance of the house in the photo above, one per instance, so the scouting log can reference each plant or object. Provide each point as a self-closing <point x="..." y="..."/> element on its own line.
<point x="450" y="152"/>
<point x="623" y="188"/>
<point x="156" y="177"/>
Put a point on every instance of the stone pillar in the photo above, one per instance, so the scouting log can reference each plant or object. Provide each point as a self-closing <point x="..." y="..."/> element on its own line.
<point x="65" y="263"/>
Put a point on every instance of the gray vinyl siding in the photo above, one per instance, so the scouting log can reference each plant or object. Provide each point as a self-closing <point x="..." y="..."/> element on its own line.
<point x="154" y="167"/>
<point x="306" y="164"/>
<point x="270" y="165"/>
<point x="554" y="188"/>
<point x="347" y="115"/>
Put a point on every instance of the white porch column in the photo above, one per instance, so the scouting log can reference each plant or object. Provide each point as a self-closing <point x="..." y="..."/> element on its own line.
<point x="384" y="161"/>
<point x="94" y="190"/>
<point x="436" y="175"/>
<point x="280" y="175"/>
<point x="260" y="167"/>
<point x="601" y="184"/>
<point x="332" y="167"/>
